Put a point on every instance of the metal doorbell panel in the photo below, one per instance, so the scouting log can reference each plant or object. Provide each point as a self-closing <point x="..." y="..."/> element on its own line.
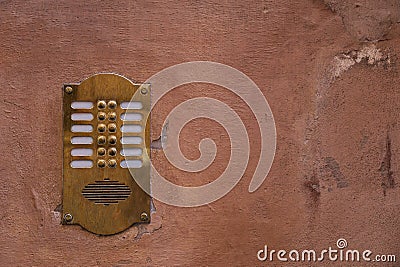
<point x="106" y="141"/>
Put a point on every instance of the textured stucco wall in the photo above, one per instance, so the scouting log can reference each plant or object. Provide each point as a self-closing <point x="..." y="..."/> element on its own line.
<point x="329" y="70"/>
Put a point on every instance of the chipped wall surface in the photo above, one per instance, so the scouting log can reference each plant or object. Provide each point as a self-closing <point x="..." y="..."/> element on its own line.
<point x="329" y="70"/>
<point x="367" y="20"/>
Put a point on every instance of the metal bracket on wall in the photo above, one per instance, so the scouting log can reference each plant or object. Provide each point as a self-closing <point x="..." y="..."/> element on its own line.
<point x="106" y="140"/>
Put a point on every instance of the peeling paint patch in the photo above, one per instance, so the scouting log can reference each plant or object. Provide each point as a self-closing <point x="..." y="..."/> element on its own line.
<point x="386" y="167"/>
<point x="368" y="20"/>
<point x="39" y="206"/>
<point x="136" y="232"/>
<point x="340" y="64"/>
<point x="144" y="229"/>
<point x="156" y="144"/>
<point x="164" y="134"/>
<point x="331" y="174"/>
<point x="370" y="55"/>
<point x="57" y="214"/>
<point x="161" y="141"/>
<point x="56" y="217"/>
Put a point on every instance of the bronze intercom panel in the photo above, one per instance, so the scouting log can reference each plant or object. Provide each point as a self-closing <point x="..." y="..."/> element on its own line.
<point x="106" y="143"/>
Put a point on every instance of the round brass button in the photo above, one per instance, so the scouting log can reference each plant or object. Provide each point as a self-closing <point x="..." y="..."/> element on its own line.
<point x="101" y="116"/>
<point x="101" y="104"/>
<point x="101" y="128"/>
<point x="101" y="151"/>
<point x="112" y="152"/>
<point x="112" y="163"/>
<point x="112" y="116"/>
<point x="101" y="140"/>
<point x="112" y="104"/>
<point x="112" y="140"/>
<point x="112" y="128"/>
<point x="101" y="163"/>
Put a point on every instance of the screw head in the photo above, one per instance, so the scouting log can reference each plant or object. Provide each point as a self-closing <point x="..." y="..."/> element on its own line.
<point x="68" y="90"/>
<point x="68" y="217"/>
<point x="143" y="90"/>
<point x="144" y="217"/>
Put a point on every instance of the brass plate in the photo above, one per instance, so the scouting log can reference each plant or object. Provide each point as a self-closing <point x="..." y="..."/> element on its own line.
<point x="105" y="200"/>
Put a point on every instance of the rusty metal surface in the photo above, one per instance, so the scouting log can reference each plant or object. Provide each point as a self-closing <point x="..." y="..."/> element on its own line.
<point x="104" y="199"/>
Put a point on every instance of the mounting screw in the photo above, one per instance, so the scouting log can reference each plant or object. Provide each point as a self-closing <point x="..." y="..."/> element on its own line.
<point x="143" y="90"/>
<point x="144" y="217"/>
<point x="68" y="217"/>
<point x="68" y="90"/>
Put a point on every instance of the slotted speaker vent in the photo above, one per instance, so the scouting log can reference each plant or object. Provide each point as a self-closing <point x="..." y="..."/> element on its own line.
<point x="106" y="192"/>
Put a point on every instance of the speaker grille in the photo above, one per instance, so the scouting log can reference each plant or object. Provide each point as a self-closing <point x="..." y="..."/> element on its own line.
<point x="106" y="192"/>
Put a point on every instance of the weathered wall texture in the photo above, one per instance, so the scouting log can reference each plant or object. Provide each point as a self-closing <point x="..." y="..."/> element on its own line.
<point x="329" y="70"/>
